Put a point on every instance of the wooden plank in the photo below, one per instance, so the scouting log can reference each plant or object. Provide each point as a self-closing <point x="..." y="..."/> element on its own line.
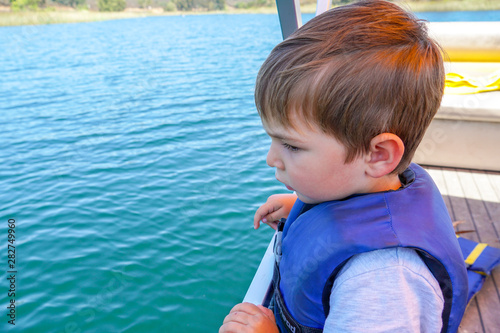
<point x="485" y="182"/>
<point x="489" y="184"/>
<point x="471" y="322"/>
<point x="491" y="201"/>
<point x="477" y="193"/>
<point x="458" y="203"/>
<point x="474" y="197"/>
<point x="437" y="176"/>
<point x="493" y="180"/>
<point x="480" y="216"/>
<point x="489" y="308"/>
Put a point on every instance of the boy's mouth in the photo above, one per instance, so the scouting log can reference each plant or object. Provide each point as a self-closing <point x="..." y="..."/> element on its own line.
<point x="288" y="187"/>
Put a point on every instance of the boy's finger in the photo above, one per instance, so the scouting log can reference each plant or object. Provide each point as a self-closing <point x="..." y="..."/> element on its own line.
<point x="259" y="214"/>
<point x="262" y="215"/>
<point x="240" y="306"/>
<point x="246" y="307"/>
<point x="267" y="312"/>
<point x="272" y="223"/>
<point x="230" y="327"/>
<point x="236" y="317"/>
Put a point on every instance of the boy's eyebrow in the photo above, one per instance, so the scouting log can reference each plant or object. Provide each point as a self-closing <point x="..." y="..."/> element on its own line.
<point x="283" y="137"/>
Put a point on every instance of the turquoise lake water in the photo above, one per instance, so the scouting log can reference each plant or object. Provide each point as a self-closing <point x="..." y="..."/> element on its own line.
<point x="132" y="160"/>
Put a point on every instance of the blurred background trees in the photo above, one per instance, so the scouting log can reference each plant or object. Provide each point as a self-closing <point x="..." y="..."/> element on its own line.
<point x="118" y="5"/>
<point x="200" y="4"/>
<point x="18" y="5"/>
<point x="210" y="5"/>
<point x="111" y="5"/>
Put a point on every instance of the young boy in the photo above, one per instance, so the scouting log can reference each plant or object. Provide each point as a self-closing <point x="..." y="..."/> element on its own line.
<point x="368" y="245"/>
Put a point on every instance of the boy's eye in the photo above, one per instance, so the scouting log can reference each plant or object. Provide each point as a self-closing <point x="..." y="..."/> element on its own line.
<point x="290" y="147"/>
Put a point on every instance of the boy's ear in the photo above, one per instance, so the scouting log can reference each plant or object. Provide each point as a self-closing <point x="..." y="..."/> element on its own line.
<point x="386" y="151"/>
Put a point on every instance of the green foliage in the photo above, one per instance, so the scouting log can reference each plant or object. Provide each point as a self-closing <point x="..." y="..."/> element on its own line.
<point x="220" y="4"/>
<point x="18" y="5"/>
<point x="83" y="6"/>
<point x="200" y="4"/>
<point x="184" y="4"/>
<point x="144" y="3"/>
<point x="169" y="6"/>
<point x="111" y="5"/>
<point x="255" y="4"/>
<point x="72" y="3"/>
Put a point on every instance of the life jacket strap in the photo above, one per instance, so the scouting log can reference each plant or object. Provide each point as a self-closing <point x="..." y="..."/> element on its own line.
<point x="286" y="323"/>
<point x="480" y="259"/>
<point x="476" y="252"/>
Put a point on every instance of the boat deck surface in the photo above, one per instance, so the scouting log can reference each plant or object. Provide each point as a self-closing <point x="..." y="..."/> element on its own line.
<point x="474" y="198"/>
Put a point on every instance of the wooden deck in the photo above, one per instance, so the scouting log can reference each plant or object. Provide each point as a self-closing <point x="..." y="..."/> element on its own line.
<point x="474" y="197"/>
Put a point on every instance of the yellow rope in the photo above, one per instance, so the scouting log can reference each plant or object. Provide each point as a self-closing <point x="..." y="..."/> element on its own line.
<point x="457" y="84"/>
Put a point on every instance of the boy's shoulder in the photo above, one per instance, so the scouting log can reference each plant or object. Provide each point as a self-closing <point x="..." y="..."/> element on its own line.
<point x="394" y="281"/>
<point x="378" y="262"/>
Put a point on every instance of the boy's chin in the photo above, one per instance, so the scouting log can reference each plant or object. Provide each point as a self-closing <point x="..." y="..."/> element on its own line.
<point x="307" y="200"/>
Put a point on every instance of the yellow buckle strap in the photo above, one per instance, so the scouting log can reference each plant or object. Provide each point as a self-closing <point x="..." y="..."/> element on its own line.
<point x="472" y="257"/>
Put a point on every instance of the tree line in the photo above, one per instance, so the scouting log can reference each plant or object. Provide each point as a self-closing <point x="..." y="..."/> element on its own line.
<point x="120" y="5"/>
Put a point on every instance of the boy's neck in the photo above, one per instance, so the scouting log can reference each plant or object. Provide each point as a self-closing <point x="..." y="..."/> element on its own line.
<point x="385" y="183"/>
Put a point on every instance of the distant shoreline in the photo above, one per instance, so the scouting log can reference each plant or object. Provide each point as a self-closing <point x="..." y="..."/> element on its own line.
<point x="54" y="15"/>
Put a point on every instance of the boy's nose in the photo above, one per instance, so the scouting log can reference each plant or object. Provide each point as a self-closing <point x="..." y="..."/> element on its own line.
<point x="273" y="160"/>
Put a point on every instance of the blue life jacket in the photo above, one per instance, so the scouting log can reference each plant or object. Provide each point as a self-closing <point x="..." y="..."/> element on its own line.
<point x="480" y="260"/>
<point x="317" y="240"/>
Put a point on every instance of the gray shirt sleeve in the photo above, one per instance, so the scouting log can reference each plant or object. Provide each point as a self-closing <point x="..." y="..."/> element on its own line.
<point x="389" y="290"/>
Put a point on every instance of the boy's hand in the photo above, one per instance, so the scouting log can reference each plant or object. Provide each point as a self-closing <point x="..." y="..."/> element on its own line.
<point x="276" y="207"/>
<point x="246" y="317"/>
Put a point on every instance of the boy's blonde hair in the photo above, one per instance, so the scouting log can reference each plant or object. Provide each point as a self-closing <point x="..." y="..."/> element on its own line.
<point x="356" y="71"/>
